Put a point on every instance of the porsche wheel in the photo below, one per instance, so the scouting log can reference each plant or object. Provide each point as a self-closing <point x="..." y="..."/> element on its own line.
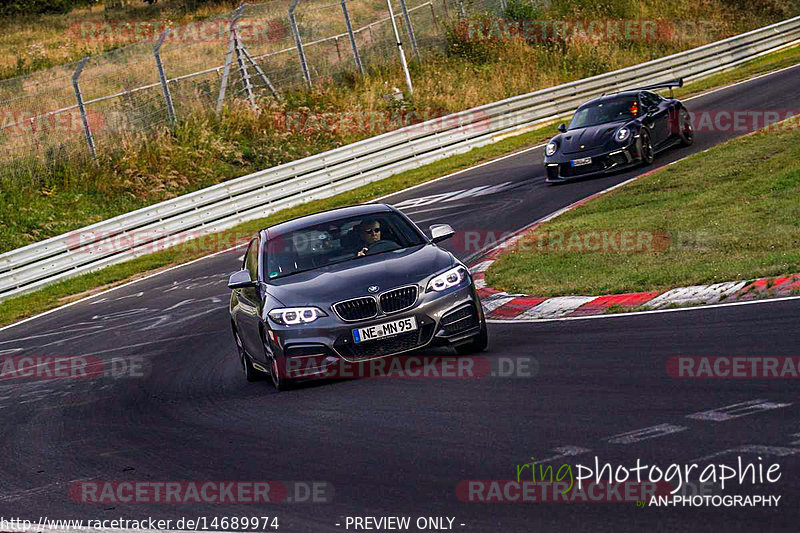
<point x="646" y="148"/>
<point x="686" y="132"/>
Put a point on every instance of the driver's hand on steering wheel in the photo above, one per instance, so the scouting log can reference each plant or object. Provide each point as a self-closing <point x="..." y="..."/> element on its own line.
<point x="362" y="252"/>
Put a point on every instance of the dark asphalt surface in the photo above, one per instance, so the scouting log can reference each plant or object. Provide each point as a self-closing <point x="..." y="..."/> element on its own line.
<point x="393" y="447"/>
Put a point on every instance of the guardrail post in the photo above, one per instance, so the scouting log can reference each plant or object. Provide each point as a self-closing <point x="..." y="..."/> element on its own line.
<point x="409" y="29"/>
<point x="163" y="77"/>
<point x="78" y="96"/>
<point x="299" y="43"/>
<point x="356" y="56"/>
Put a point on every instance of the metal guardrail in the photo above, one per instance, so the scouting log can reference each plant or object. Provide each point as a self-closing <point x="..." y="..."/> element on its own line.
<point x="323" y="175"/>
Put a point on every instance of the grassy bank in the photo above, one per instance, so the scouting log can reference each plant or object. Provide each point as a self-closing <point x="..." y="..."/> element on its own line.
<point x="63" y="292"/>
<point x="730" y="213"/>
<point x="142" y="169"/>
<point x="29" y="43"/>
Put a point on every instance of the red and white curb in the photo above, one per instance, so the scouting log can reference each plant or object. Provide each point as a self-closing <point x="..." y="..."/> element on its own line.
<point x="500" y="305"/>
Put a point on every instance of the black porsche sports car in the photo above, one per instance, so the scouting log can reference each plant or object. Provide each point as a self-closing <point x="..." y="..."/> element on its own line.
<point x="347" y="286"/>
<point x="617" y="131"/>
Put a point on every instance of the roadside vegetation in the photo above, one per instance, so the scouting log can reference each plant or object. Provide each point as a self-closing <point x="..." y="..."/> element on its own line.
<point x="730" y="213"/>
<point x="202" y="149"/>
<point x="35" y="34"/>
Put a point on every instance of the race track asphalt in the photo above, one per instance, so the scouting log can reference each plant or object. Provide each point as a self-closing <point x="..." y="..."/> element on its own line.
<point x="389" y="447"/>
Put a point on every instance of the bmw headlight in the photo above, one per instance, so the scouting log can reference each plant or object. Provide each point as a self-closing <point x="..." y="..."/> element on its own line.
<point x="622" y="134"/>
<point x="550" y="149"/>
<point x="452" y="278"/>
<point x="291" y="316"/>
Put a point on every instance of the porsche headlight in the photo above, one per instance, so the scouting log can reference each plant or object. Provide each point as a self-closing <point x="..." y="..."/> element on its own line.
<point x="622" y="134"/>
<point x="452" y="278"/>
<point x="550" y="149"/>
<point x="291" y="316"/>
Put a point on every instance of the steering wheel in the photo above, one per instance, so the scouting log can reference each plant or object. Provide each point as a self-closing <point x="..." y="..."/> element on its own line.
<point x="383" y="245"/>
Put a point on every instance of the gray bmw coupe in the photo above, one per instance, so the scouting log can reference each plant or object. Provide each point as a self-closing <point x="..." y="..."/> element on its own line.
<point x="349" y="285"/>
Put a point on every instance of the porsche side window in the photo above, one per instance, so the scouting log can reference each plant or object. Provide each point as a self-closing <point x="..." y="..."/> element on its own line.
<point x="649" y="100"/>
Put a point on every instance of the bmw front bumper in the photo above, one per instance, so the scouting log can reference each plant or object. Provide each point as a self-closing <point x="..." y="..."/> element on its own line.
<point x="311" y="350"/>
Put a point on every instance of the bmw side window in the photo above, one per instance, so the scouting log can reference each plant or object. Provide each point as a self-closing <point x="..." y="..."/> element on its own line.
<point x="251" y="259"/>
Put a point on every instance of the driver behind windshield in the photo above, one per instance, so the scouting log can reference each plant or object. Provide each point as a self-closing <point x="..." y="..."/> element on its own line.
<point x="369" y="232"/>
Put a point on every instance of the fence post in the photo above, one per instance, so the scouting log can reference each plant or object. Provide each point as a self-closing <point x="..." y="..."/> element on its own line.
<point x="163" y="77"/>
<point x="503" y="5"/>
<point x="433" y="17"/>
<point x="410" y="29"/>
<point x="86" y="130"/>
<point x="240" y="61"/>
<point x="228" y="59"/>
<point x="260" y="72"/>
<point x="356" y="56"/>
<point x="400" y="49"/>
<point x="299" y="43"/>
<point x="461" y="13"/>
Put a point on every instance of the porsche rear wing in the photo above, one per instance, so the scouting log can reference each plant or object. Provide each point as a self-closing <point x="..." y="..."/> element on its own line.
<point x="664" y="85"/>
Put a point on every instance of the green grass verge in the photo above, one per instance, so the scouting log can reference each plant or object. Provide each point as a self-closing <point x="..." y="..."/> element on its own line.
<point x="730" y="213"/>
<point x="20" y="307"/>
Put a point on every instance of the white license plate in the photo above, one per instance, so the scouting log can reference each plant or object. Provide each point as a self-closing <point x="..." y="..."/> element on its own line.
<point x="387" y="329"/>
<point x="581" y="162"/>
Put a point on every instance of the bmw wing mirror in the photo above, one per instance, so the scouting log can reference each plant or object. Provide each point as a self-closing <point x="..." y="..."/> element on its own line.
<point x="441" y="232"/>
<point x="562" y="128"/>
<point x="240" y="280"/>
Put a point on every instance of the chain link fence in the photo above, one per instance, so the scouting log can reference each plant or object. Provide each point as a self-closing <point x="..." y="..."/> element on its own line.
<point x="78" y="111"/>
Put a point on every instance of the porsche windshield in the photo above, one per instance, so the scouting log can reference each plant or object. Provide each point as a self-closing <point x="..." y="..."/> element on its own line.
<point x="604" y="111"/>
<point x="336" y="241"/>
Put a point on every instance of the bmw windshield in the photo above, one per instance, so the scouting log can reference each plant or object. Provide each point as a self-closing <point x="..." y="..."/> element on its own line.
<point x="337" y="241"/>
<point x="605" y="111"/>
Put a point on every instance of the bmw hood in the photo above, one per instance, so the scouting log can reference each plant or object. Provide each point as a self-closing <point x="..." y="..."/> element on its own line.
<point x="589" y="138"/>
<point x="350" y="279"/>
